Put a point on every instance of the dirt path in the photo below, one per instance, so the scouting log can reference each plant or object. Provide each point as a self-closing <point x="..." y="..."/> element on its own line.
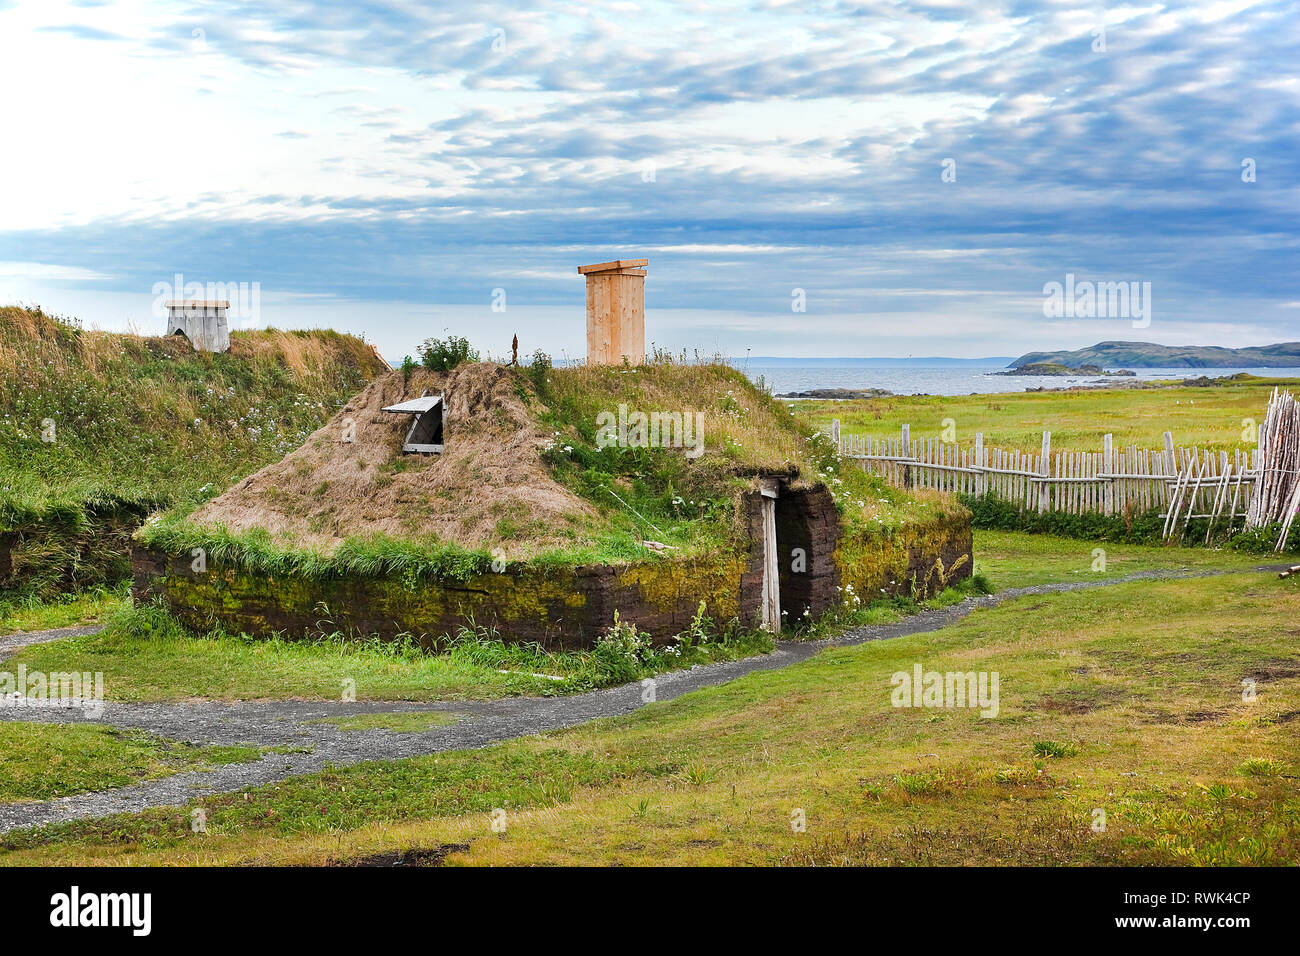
<point x="295" y="725"/>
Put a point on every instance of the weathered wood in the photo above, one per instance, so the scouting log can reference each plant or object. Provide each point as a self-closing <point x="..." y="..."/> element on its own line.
<point x="1187" y="483"/>
<point x="615" y="312"/>
<point x="771" y="602"/>
<point x="1044" y="493"/>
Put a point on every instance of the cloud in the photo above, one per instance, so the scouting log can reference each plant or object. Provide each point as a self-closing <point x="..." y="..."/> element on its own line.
<point x="83" y="32"/>
<point x="49" y="272"/>
<point x="399" y="152"/>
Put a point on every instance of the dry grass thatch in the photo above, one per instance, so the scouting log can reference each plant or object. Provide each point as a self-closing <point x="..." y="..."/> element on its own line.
<point x="490" y="475"/>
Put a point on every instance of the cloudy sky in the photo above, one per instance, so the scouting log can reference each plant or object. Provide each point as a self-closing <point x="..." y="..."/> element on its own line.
<point x="384" y="167"/>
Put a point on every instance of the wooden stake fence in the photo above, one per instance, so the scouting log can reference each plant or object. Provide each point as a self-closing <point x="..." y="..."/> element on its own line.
<point x="1181" y="483"/>
<point x="1279" y="466"/>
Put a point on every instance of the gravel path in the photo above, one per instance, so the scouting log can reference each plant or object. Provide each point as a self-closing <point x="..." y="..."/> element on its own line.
<point x="12" y="642"/>
<point x="313" y="745"/>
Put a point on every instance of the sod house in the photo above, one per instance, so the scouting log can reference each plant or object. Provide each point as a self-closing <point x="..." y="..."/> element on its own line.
<point x="549" y="507"/>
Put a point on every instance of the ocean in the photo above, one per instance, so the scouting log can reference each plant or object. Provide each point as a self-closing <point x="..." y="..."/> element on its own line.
<point x="957" y="378"/>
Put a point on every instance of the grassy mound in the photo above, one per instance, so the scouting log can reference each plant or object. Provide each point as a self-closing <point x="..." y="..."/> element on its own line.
<point x="524" y="477"/>
<point x="97" y="428"/>
<point x="95" y="416"/>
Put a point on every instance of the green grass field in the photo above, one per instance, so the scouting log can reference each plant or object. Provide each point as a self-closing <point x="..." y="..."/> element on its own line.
<point x="398" y="722"/>
<point x="1210" y="417"/>
<point x="1122" y="736"/>
<point x="30" y="613"/>
<point x="147" y="657"/>
<point x="1015" y="559"/>
<point x="45" y="761"/>
<point x="1125" y="701"/>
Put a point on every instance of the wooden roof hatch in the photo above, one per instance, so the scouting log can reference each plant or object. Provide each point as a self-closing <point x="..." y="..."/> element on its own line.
<point x="425" y="434"/>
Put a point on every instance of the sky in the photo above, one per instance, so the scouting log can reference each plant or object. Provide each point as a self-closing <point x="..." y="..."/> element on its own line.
<point x="857" y="178"/>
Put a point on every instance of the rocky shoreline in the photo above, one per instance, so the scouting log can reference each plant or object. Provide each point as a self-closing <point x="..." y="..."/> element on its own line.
<point x="1120" y="379"/>
<point x="839" y="394"/>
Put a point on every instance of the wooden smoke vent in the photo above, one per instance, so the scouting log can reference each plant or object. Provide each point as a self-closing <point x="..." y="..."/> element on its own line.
<point x="615" y="311"/>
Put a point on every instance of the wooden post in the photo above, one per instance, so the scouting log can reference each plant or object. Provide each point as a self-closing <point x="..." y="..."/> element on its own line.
<point x="771" y="611"/>
<point x="615" y="311"/>
<point x="1171" y="467"/>
<point x="979" y="463"/>
<point x="905" y="451"/>
<point x="1045" y="468"/>
<point x="835" y="434"/>
<point x="1108" y="464"/>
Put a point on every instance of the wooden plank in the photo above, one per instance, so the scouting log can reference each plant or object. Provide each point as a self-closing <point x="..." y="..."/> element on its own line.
<point x="1219" y="498"/>
<point x="1045" y="458"/>
<point x="1108" y="453"/>
<point x="613" y="265"/>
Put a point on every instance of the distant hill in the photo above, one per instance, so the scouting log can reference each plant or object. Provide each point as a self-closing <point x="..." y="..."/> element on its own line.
<point x="1150" y="355"/>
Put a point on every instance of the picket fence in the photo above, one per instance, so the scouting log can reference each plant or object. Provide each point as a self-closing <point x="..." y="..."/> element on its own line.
<point x="1183" y="483"/>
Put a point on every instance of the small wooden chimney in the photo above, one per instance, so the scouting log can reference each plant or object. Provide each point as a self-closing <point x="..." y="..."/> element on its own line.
<point x="201" y="321"/>
<point x="615" y="311"/>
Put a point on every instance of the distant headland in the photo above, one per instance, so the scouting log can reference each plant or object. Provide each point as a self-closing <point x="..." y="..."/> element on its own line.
<point x="1150" y="355"/>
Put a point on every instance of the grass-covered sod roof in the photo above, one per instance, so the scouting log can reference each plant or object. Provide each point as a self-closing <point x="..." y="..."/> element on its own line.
<point x="526" y="476"/>
<point x="91" y="416"/>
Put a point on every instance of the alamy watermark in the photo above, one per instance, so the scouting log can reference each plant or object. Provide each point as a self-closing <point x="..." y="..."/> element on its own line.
<point x="70" y="690"/>
<point x="245" y="298"/>
<point x="1098" y="300"/>
<point x="922" y="688"/>
<point x="74" y="909"/>
<point x="653" y="430"/>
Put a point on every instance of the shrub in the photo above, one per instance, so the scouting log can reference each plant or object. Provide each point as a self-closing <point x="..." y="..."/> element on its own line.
<point x="622" y="652"/>
<point x="1262" y="540"/>
<point x="1053" y="748"/>
<point x="995" y="514"/>
<point x="538" y="370"/>
<point x="1262" y="767"/>
<point x="443" y="355"/>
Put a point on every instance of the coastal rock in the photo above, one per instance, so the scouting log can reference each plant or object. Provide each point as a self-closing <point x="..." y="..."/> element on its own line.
<point x="1052" y="368"/>
<point x="839" y="393"/>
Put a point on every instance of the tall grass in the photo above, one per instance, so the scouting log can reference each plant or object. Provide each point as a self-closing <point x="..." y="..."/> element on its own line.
<point x="148" y="655"/>
<point x="663" y="494"/>
<point x="371" y="556"/>
<point x="149" y="420"/>
<point x="98" y="429"/>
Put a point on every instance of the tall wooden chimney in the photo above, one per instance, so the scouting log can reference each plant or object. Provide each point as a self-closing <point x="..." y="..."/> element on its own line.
<point x="615" y="311"/>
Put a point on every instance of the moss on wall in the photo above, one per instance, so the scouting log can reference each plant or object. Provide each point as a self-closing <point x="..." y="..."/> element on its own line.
<point x="555" y="607"/>
<point x="565" y="607"/>
<point x="919" y="559"/>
